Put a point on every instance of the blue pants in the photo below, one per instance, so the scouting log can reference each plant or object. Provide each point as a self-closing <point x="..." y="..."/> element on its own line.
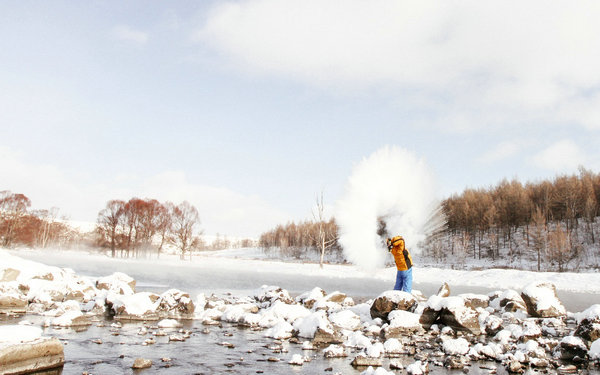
<point x="404" y="280"/>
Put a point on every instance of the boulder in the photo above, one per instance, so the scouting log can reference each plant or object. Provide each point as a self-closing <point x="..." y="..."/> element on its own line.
<point x="475" y="301"/>
<point x="10" y="274"/>
<point x="140" y="363"/>
<point x="542" y="301"/>
<point x="362" y="360"/>
<point x="118" y="282"/>
<point x="138" y="306"/>
<point x="569" y="348"/>
<point x="402" y="324"/>
<point x="175" y="304"/>
<point x="452" y="312"/>
<point x="309" y="299"/>
<point x="444" y="290"/>
<point x="13" y="304"/>
<point x="267" y="294"/>
<point x="325" y="337"/>
<point x="508" y="300"/>
<point x="392" y="300"/>
<point x="589" y="329"/>
<point x="29" y="352"/>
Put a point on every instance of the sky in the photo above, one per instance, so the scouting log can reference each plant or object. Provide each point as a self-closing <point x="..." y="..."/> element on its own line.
<point x="250" y="109"/>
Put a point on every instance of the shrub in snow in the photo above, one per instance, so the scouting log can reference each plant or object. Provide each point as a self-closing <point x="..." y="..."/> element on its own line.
<point x="542" y="301"/>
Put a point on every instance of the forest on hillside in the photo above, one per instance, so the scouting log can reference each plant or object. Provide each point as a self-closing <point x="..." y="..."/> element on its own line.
<point x="545" y="225"/>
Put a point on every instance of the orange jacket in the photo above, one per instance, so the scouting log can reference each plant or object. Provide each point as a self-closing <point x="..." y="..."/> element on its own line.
<point x="401" y="254"/>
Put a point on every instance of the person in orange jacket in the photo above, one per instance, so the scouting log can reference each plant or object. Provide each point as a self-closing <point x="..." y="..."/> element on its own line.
<point x="404" y="263"/>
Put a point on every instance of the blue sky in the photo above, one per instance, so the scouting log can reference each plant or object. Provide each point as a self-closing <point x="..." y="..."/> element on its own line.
<point x="248" y="109"/>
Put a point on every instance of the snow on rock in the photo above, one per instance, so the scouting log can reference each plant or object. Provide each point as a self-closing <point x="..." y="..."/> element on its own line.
<point x="12" y="300"/>
<point x="542" y="301"/>
<point x="138" y="306"/>
<point x="267" y="294"/>
<point x="71" y="319"/>
<point x="569" y="348"/>
<point x="345" y="319"/>
<point x="308" y="326"/>
<point x="378" y="371"/>
<point x="393" y="346"/>
<point x="169" y="323"/>
<point x="309" y="298"/>
<point x="417" y="368"/>
<point x="452" y="312"/>
<point x="236" y="313"/>
<point x="458" y="346"/>
<point x="591" y="313"/>
<point x="375" y="350"/>
<point x="18" y="334"/>
<point x="118" y="283"/>
<point x="334" y="351"/>
<point x="176" y="304"/>
<point x="594" y="351"/>
<point x="280" y="310"/>
<point x="392" y="300"/>
<point x="402" y="323"/>
<point x="356" y="340"/>
<point x="491" y="351"/>
<point x="281" y="330"/>
<point x="508" y="300"/>
<point x="296" y="359"/>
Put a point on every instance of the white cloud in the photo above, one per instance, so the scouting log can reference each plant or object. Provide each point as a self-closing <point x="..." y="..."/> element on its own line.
<point x="502" y="151"/>
<point x="222" y="210"/>
<point x="561" y="156"/>
<point x="483" y="62"/>
<point x="128" y="34"/>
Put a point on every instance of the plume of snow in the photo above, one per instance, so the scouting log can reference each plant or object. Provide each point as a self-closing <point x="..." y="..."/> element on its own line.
<point x="393" y="185"/>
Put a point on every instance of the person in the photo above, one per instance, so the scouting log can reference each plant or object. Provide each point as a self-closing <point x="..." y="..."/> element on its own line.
<point x="404" y="263"/>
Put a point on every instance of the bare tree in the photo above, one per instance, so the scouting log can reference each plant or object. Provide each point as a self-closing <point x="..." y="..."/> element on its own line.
<point x="13" y="208"/>
<point x="109" y="220"/>
<point x="185" y="222"/>
<point x="325" y="236"/>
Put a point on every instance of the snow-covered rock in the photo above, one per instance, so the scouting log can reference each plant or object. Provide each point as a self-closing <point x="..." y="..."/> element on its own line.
<point x="138" y="306"/>
<point x="594" y="351"/>
<point x="281" y="330"/>
<point x="118" y="283"/>
<point x="458" y="346"/>
<point x="542" y="301"/>
<point x="24" y="350"/>
<point x="393" y="347"/>
<point x="402" y="323"/>
<point x="392" y="300"/>
<point x="452" y="312"/>
<point x="417" y="368"/>
<point x="309" y="298"/>
<point x="334" y="351"/>
<point x="176" y="304"/>
<point x="570" y="347"/>
<point x="267" y="294"/>
<point x="345" y="319"/>
<point x="376" y="371"/>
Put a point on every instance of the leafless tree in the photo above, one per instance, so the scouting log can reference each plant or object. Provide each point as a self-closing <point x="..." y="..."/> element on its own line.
<point x="325" y="237"/>
<point x="185" y="223"/>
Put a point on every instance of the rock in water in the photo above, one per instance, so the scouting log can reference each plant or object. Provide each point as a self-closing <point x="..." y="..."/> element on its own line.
<point x="542" y="301"/>
<point x="362" y="360"/>
<point x="140" y="363"/>
<point x="392" y="300"/>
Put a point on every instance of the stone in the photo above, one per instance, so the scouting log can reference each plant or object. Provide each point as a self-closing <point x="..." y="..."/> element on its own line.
<point x="39" y="355"/>
<point x="362" y="360"/>
<point x="13" y="304"/>
<point x="10" y="274"/>
<point x="542" y="301"/>
<point x="475" y="301"/>
<point x="429" y="317"/>
<point x="569" y="348"/>
<point x="140" y="363"/>
<point x="589" y="329"/>
<point x="461" y="319"/>
<point x="392" y="300"/>
<point x="337" y="297"/>
<point x="324" y="337"/>
<point x="515" y="367"/>
<point x="175" y="304"/>
<point x="444" y="290"/>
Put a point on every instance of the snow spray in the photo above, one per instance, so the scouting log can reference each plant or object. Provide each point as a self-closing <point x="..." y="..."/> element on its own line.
<point x="392" y="185"/>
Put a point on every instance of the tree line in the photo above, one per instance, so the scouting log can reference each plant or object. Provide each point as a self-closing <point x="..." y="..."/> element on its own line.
<point x="552" y="220"/>
<point x="35" y="228"/>
<point x="127" y="228"/>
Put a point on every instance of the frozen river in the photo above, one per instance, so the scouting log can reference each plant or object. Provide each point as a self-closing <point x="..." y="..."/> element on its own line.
<point x="224" y="275"/>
